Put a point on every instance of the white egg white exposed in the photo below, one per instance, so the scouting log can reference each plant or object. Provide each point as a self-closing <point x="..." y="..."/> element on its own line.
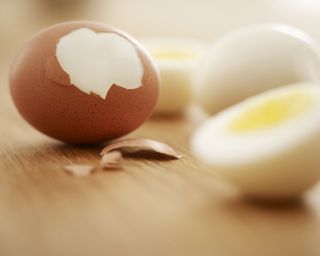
<point x="254" y="59"/>
<point x="176" y="59"/>
<point x="96" y="61"/>
<point x="269" y="144"/>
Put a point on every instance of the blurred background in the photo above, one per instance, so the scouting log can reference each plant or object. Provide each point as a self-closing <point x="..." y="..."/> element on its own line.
<point x="204" y="19"/>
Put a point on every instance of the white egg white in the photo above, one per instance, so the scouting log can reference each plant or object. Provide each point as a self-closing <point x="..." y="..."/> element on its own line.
<point x="253" y="59"/>
<point x="280" y="161"/>
<point x="176" y="59"/>
<point x="96" y="61"/>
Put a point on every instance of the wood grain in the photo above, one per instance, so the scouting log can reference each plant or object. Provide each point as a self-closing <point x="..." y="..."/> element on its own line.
<point x="149" y="208"/>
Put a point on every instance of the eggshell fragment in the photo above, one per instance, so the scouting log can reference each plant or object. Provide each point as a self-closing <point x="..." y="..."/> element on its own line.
<point x="54" y="71"/>
<point x="44" y="94"/>
<point x="79" y="170"/>
<point x="254" y="59"/>
<point x="111" y="160"/>
<point x="268" y="145"/>
<point x="138" y="144"/>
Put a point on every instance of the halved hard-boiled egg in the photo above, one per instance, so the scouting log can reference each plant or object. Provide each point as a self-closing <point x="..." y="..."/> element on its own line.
<point x="269" y="144"/>
<point x="177" y="60"/>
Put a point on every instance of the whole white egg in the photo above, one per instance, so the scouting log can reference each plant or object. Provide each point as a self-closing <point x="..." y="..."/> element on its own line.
<point x="254" y="59"/>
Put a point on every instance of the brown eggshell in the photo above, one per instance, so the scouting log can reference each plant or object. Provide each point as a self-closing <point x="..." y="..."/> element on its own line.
<point x="54" y="71"/>
<point x="42" y="92"/>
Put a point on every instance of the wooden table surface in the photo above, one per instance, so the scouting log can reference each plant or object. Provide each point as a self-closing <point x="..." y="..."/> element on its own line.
<point x="150" y="208"/>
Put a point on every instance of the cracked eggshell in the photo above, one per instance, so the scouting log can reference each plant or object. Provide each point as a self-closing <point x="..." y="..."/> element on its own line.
<point x="252" y="60"/>
<point x="84" y="112"/>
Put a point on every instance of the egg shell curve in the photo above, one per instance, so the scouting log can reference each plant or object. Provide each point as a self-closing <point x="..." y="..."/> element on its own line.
<point x="63" y="111"/>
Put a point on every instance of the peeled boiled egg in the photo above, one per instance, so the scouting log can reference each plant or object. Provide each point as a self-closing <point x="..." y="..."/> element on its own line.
<point x="254" y="59"/>
<point x="84" y="82"/>
<point x="268" y="144"/>
<point x="176" y="59"/>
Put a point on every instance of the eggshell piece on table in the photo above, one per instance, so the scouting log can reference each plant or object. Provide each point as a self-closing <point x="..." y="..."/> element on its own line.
<point x="84" y="82"/>
<point x="267" y="145"/>
<point x="139" y="144"/>
<point x="252" y="60"/>
<point x="111" y="161"/>
<point x="79" y="170"/>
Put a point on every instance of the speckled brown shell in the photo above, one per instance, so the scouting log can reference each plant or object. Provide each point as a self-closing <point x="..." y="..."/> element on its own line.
<point x="44" y="97"/>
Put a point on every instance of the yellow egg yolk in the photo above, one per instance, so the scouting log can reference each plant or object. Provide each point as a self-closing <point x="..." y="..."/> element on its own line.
<point x="168" y="54"/>
<point x="272" y="112"/>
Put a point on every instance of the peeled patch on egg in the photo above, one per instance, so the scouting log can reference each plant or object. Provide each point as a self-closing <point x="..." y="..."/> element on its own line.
<point x="99" y="59"/>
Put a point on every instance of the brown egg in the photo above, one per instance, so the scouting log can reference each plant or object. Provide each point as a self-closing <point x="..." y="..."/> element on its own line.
<point x="84" y="82"/>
